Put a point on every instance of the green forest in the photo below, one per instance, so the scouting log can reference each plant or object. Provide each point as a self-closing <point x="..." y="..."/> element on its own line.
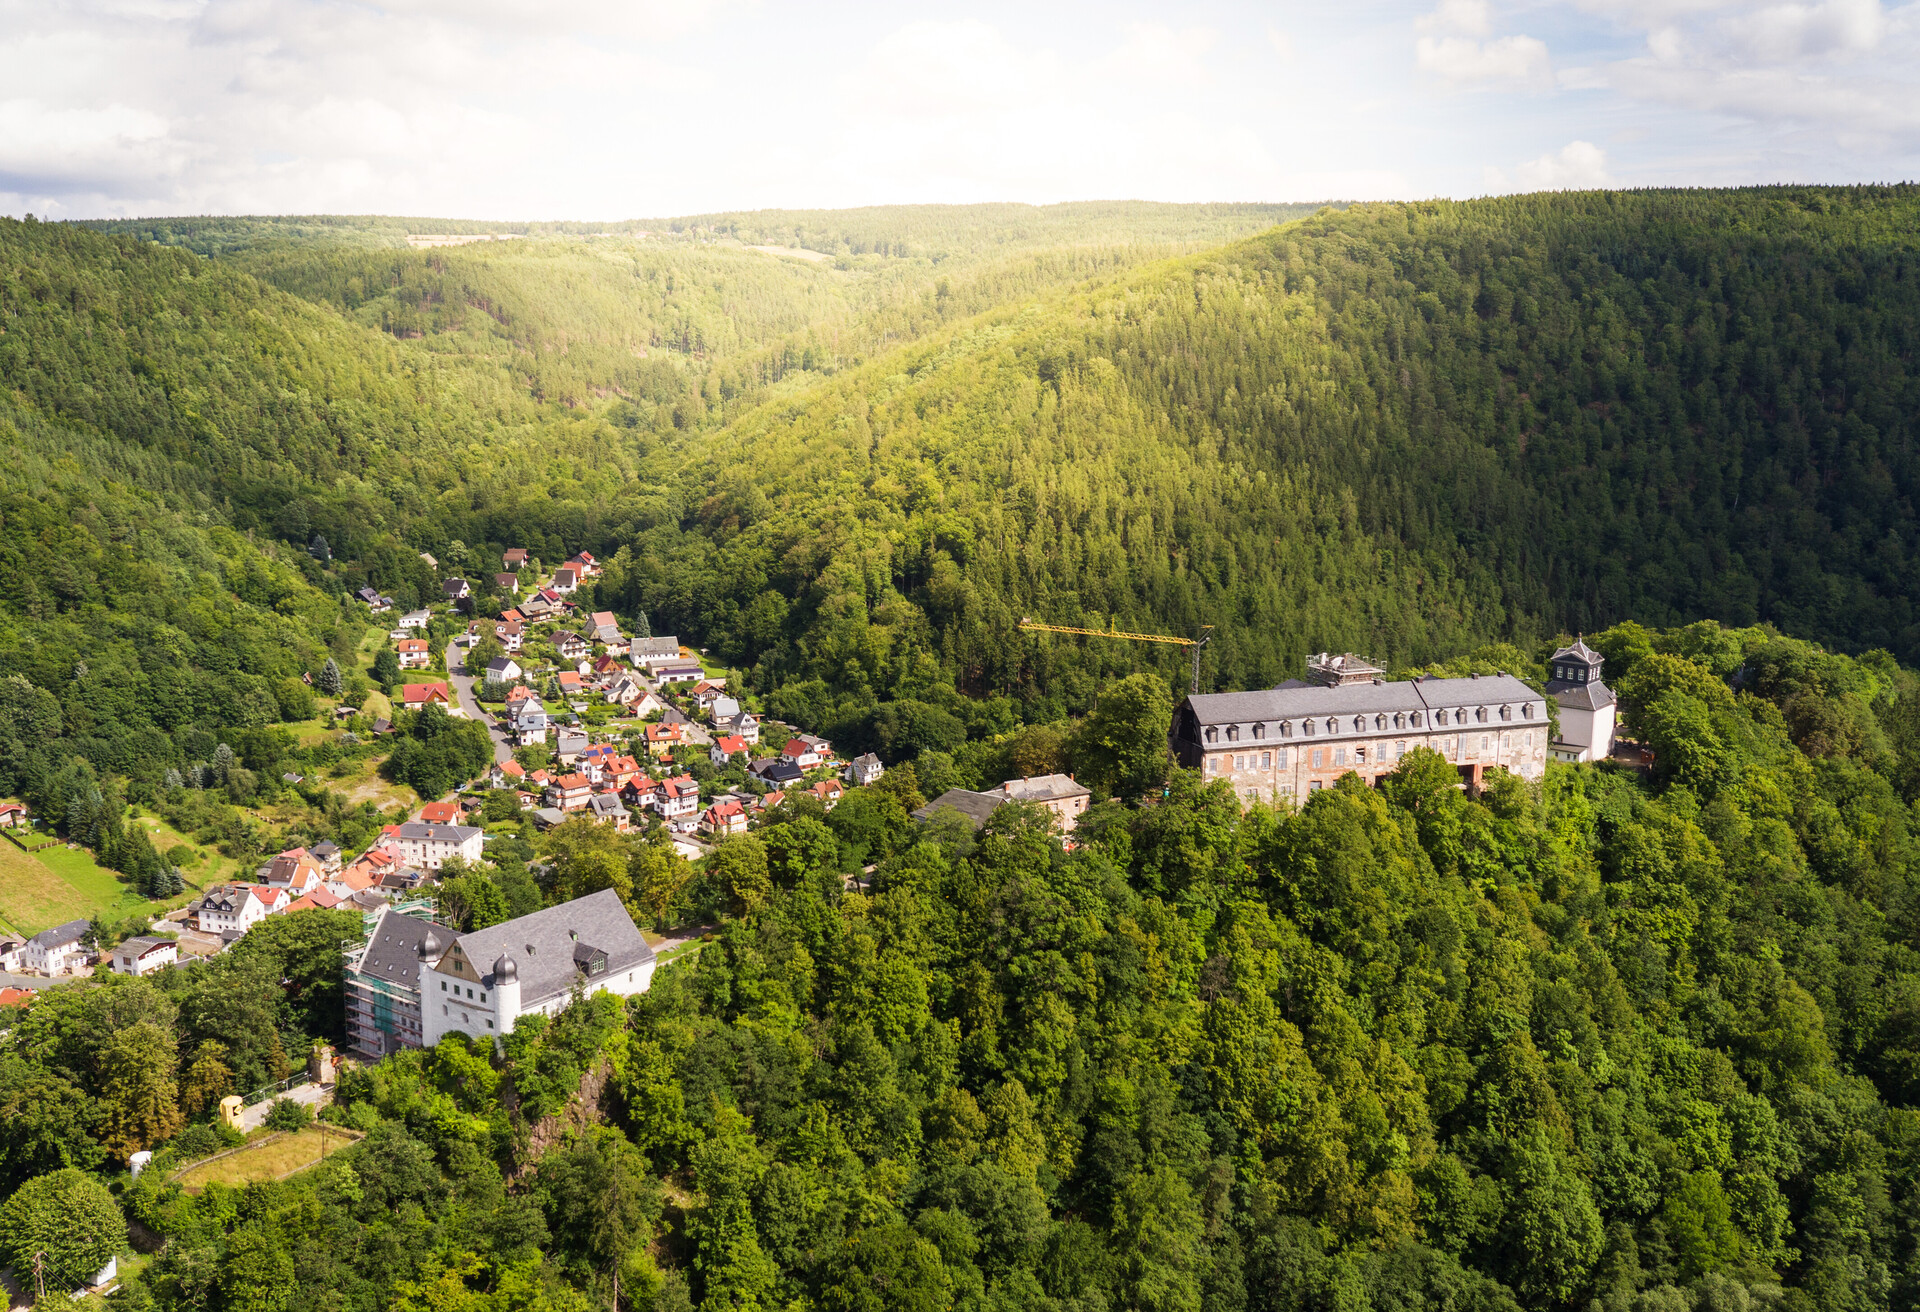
<point x="1615" y="1043"/>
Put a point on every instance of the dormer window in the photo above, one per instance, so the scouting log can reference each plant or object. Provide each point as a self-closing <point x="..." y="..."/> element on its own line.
<point x="1213" y="734"/>
<point x="1414" y="719"/>
<point x="1439" y="717"/>
<point x="1233" y="733"/>
<point x="1506" y="712"/>
<point x="1480" y="714"/>
<point x="1359" y="724"/>
<point x="1526" y="711"/>
<point x="1333" y="725"/>
<point x="1286" y="728"/>
<point x="1399" y="720"/>
<point x="1379" y="721"/>
<point x="1259" y="731"/>
<point x="1308" y="726"/>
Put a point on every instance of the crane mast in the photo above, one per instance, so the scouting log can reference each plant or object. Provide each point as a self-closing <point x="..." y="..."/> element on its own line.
<point x="1194" y="644"/>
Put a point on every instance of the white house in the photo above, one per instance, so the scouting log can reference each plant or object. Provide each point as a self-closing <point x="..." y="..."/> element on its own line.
<point x="744" y="724"/>
<point x="1586" y="705"/>
<point x="864" y="769"/>
<point x="236" y="907"/>
<point x="143" y="955"/>
<point x="529" y="720"/>
<point x="415" y="653"/>
<point x="416" y="619"/>
<point x="503" y="669"/>
<point x="428" y="847"/>
<point x="59" y="951"/>
<point x="480" y="984"/>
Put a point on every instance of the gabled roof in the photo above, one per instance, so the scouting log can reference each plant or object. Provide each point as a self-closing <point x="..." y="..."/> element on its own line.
<point x="393" y="949"/>
<point x="422" y="692"/>
<point x="978" y="808"/>
<point x="606" y="804"/>
<point x="61" y="935"/>
<point x="542" y="946"/>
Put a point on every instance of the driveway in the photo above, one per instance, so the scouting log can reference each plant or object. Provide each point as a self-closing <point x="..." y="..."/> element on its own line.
<point x="463" y="689"/>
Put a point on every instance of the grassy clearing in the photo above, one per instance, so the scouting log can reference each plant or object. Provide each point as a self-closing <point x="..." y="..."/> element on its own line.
<point x="33" y="896"/>
<point x="267" y="1158"/>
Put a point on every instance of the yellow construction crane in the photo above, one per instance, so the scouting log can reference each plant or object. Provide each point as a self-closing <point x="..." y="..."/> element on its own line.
<point x="1206" y="636"/>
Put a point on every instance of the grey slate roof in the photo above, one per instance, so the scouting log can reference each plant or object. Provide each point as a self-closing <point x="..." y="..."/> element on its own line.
<point x="394" y="951"/>
<point x="1044" y="788"/>
<point x="606" y="805"/>
<point x="61" y="935"/>
<point x="414" y="831"/>
<point x="976" y="807"/>
<point x="143" y="944"/>
<point x="1272" y="705"/>
<point x="544" y="945"/>
<point x="1582" y="696"/>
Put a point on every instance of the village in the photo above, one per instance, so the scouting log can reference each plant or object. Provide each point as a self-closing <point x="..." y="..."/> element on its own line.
<point x="589" y="723"/>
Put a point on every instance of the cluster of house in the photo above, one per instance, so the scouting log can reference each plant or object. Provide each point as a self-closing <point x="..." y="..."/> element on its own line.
<point x="410" y="982"/>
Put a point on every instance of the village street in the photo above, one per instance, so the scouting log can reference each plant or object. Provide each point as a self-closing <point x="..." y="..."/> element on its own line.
<point x="463" y="690"/>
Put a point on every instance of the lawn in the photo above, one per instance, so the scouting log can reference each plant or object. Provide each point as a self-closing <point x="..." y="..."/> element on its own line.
<point x="43" y="889"/>
<point x="267" y="1158"/>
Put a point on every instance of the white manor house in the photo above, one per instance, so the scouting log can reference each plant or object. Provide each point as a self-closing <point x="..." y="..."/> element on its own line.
<point x="1346" y="716"/>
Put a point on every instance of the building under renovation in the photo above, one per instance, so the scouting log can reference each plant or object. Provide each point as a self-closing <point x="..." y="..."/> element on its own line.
<point x="383" y="978"/>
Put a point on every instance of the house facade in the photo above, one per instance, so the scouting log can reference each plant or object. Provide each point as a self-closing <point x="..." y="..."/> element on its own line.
<point x="428" y="847"/>
<point x="415" y="653"/>
<point x="236" y="908"/>
<point x="864" y="769"/>
<point x="481" y="984"/>
<point x="144" y="955"/>
<point x="1058" y="793"/>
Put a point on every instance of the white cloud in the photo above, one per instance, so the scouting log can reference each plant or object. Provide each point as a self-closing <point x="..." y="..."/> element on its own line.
<point x="1462" y="59"/>
<point x="1473" y="17"/>
<point x="1576" y="166"/>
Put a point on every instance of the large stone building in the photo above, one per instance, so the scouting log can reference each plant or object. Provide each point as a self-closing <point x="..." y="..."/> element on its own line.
<point x="1289" y="741"/>
<point x="1586" y="705"/>
<point x="480" y="984"/>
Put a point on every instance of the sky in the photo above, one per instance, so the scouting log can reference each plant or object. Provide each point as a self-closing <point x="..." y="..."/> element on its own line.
<point x="619" y="109"/>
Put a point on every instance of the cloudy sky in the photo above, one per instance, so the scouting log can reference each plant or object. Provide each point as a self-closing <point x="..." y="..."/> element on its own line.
<point x="646" y="108"/>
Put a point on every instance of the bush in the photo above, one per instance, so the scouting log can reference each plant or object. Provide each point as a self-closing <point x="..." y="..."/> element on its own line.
<point x="286" y="1114"/>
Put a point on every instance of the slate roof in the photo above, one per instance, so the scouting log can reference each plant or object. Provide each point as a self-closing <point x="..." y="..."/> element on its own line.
<point x="976" y="807"/>
<point x="393" y="952"/>
<point x="1298" y="702"/>
<point x="416" y="832"/>
<point x="606" y="806"/>
<point x="1043" y="788"/>
<point x="1582" y="696"/>
<point x="544" y="945"/>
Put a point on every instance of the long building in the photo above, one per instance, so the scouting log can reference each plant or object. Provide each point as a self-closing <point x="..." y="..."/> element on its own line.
<point x="1293" y="740"/>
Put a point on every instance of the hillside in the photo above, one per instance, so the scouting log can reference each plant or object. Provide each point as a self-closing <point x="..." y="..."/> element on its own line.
<point x="1397" y="429"/>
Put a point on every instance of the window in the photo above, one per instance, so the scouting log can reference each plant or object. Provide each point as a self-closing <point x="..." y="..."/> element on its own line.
<point x="1286" y="728"/>
<point x="1480" y="714"/>
<point x="1316" y="758"/>
<point x="1281" y="762"/>
<point x="1439" y="717"/>
<point x="443" y="986"/>
<point x="1399" y="750"/>
<point x="483" y="995"/>
<point x="1314" y="787"/>
<point x="1399" y="720"/>
<point x="1333" y="725"/>
<point x="1213" y="734"/>
<point x="1233" y="733"/>
<point x="1339" y="756"/>
<point x="1526" y="712"/>
<point x="1266" y="760"/>
<point x="1359" y="724"/>
<point x="489" y="1024"/>
<point x="1506" y="712"/>
<point x="1527" y="742"/>
<point x="1360" y="754"/>
<point x="1259" y="731"/>
<point x="1483" y="742"/>
<point x="1414" y="719"/>
<point x="1239" y="762"/>
<point x="443" y="1009"/>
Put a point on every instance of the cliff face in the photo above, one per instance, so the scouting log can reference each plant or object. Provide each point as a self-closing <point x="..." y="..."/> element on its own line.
<point x="591" y="1107"/>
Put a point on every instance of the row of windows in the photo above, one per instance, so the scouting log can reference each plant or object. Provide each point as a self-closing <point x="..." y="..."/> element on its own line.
<point x="1379" y="722"/>
<point x="1321" y="757"/>
<point x="456" y="992"/>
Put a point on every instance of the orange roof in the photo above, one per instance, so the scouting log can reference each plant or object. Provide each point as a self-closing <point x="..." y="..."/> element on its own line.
<point x="439" y="813"/>
<point x="318" y="900"/>
<point x="423" y="693"/>
<point x="412" y="644"/>
<point x="731" y="743"/>
<point x="795" y="747"/>
<point x="728" y="806"/>
<point x="358" y="876"/>
<point x="513" y="769"/>
<point x="571" y="781"/>
<point x="11" y="997"/>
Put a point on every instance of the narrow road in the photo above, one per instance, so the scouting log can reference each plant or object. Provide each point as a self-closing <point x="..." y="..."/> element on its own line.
<point x="463" y="690"/>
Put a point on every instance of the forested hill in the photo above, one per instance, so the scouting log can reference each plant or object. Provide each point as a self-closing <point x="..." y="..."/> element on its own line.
<point x="1393" y="429"/>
